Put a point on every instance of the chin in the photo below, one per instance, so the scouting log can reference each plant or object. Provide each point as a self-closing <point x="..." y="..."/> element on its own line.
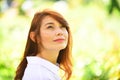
<point x="62" y="47"/>
<point x="59" y="47"/>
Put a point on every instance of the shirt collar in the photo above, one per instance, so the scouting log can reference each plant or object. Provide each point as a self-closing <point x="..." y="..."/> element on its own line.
<point x="40" y="61"/>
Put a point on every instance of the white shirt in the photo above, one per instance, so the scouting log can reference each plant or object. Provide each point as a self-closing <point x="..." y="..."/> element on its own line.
<point x="40" y="69"/>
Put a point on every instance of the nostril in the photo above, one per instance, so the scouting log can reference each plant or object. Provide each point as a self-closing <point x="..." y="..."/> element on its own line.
<point x="59" y="33"/>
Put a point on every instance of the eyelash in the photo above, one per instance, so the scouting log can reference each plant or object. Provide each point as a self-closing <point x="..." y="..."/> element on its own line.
<point x="50" y="27"/>
<point x="53" y="27"/>
<point x="62" y="27"/>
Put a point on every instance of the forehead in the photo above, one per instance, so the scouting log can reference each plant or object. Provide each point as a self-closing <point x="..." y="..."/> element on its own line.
<point x="49" y="19"/>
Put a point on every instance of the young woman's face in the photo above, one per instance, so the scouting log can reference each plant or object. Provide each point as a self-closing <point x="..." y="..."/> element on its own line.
<point x="53" y="35"/>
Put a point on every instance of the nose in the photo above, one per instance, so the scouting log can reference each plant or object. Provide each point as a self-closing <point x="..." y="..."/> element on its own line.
<point x="59" y="32"/>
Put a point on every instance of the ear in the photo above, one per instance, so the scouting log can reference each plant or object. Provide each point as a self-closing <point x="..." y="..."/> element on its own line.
<point x="32" y="36"/>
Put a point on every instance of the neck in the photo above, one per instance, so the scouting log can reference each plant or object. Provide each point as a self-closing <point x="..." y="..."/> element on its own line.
<point x="49" y="55"/>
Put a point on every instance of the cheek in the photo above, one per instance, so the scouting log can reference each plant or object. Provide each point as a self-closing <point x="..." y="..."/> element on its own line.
<point x="45" y="37"/>
<point x="67" y="37"/>
<point x="66" y="34"/>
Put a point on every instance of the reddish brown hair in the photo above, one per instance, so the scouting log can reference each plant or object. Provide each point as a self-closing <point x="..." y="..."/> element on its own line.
<point x="64" y="58"/>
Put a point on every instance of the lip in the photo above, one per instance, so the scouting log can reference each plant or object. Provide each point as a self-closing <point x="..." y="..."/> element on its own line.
<point x="59" y="40"/>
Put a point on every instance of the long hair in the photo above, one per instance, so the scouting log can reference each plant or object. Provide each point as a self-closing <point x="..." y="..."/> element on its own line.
<point x="64" y="57"/>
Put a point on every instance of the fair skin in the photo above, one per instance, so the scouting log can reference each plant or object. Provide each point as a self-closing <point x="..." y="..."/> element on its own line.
<point x="54" y="37"/>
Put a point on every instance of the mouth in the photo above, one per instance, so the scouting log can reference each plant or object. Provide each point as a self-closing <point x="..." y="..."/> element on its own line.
<point x="59" y="40"/>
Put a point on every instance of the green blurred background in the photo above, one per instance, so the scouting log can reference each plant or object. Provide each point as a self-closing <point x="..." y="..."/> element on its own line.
<point x="94" y="24"/>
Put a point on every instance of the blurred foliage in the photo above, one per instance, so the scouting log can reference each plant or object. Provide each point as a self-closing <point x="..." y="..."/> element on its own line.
<point x="114" y="4"/>
<point x="96" y="35"/>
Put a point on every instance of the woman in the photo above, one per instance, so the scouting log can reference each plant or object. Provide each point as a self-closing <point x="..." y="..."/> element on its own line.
<point x="48" y="44"/>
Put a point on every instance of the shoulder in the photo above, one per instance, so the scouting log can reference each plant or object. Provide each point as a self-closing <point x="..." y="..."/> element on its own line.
<point x="35" y="72"/>
<point x="39" y="69"/>
<point x="32" y="73"/>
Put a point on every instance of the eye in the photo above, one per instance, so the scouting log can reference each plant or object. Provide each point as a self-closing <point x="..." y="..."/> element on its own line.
<point x="63" y="27"/>
<point x="49" y="26"/>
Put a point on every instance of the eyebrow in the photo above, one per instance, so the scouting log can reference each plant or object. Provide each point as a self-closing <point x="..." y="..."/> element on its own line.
<point x="49" y="23"/>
